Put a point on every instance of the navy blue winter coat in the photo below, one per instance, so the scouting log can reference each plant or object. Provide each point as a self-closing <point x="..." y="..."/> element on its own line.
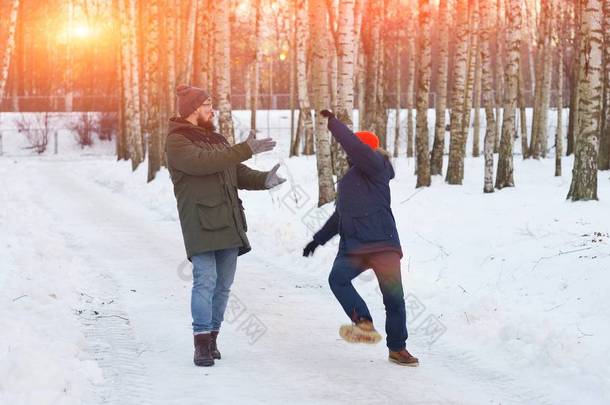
<point x="363" y="217"/>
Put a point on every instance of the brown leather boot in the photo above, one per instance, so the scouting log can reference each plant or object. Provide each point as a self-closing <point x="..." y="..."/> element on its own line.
<point x="214" y="346"/>
<point x="403" y="358"/>
<point x="203" y="355"/>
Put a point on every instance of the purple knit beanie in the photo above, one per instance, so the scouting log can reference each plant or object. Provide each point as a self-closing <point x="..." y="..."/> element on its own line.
<point x="189" y="99"/>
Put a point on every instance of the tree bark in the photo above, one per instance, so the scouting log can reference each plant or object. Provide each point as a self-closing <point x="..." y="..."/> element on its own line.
<point x="321" y="99"/>
<point x="604" y="146"/>
<point x="584" y="173"/>
<point x="455" y="167"/>
<point x="345" y="76"/>
<point x="305" y="126"/>
<point x="423" y="88"/>
<point x="487" y="94"/>
<point x="438" y="148"/>
<point x="222" y="59"/>
<point x="154" y="125"/>
<point x="504" y="176"/>
<point x="10" y="46"/>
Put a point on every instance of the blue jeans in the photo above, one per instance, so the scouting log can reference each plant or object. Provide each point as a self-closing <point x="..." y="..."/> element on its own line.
<point x="386" y="266"/>
<point x="213" y="274"/>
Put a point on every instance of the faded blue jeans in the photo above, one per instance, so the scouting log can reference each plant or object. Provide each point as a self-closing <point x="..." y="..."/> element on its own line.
<point x="213" y="274"/>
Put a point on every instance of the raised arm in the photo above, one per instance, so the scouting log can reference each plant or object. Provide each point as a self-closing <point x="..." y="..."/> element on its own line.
<point x="195" y="161"/>
<point x="361" y="155"/>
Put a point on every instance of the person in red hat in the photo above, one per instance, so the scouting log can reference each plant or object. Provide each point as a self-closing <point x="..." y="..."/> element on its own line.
<point x="369" y="240"/>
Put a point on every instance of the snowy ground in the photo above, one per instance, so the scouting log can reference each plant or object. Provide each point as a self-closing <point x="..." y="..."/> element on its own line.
<point x="507" y="293"/>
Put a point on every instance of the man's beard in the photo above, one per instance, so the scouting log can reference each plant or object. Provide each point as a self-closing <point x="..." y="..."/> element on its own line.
<point x="205" y="124"/>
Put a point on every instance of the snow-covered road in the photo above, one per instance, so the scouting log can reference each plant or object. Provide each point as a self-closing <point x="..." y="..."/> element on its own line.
<point x="279" y="343"/>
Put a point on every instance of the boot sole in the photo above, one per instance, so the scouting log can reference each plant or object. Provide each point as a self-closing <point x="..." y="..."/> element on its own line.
<point x="353" y="334"/>
<point x="204" y="363"/>
<point x="415" y="364"/>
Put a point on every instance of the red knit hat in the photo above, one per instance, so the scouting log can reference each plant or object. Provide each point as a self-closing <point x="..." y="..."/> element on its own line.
<point x="368" y="138"/>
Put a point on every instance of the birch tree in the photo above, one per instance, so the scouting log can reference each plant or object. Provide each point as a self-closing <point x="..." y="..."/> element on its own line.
<point x="504" y="176"/>
<point x="202" y="46"/>
<point x="438" y="148"/>
<point x="560" y="48"/>
<point x="9" y="46"/>
<point x="500" y="63"/>
<point x="584" y="173"/>
<point x="222" y="71"/>
<point x="130" y="81"/>
<point x="455" y="168"/>
<point x="487" y="93"/>
<point x="411" y="29"/>
<point x="254" y="81"/>
<point x="152" y="65"/>
<point x="538" y="139"/>
<point x="423" y="88"/>
<point x="604" y="146"/>
<point x="346" y="49"/>
<point x="321" y="98"/>
<point x="305" y="123"/>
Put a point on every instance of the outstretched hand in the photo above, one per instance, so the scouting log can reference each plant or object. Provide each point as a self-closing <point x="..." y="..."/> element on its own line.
<point x="273" y="179"/>
<point x="259" y="145"/>
<point x="309" y="249"/>
<point x="327" y="114"/>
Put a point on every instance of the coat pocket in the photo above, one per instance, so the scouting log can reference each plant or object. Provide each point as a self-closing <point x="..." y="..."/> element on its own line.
<point x="214" y="212"/>
<point x="243" y="214"/>
<point x="372" y="226"/>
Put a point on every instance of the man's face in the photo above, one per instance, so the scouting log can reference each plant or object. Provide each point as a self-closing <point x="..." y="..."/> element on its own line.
<point x="205" y="113"/>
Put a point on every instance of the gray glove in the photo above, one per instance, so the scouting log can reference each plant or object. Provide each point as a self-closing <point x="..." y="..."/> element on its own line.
<point x="273" y="179"/>
<point x="259" y="145"/>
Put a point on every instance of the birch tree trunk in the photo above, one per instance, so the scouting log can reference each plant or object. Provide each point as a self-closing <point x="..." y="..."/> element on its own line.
<point x="410" y="75"/>
<point x="525" y="150"/>
<point x="321" y="99"/>
<point x="154" y="124"/>
<point x="604" y="146"/>
<point x="305" y="126"/>
<point x="559" y="132"/>
<point x="398" y="90"/>
<point x="189" y="42"/>
<point x="574" y="118"/>
<point x="504" y="176"/>
<point x="455" y="167"/>
<point x="584" y="173"/>
<point x="171" y="21"/>
<point x="346" y="48"/>
<point x="473" y="40"/>
<point x="487" y="94"/>
<point x="438" y="148"/>
<point x="500" y="63"/>
<point x="129" y="66"/>
<point x="376" y="117"/>
<point x="10" y="46"/>
<point x="256" y="63"/>
<point x="423" y="88"/>
<point x="476" y="134"/>
<point x="202" y="45"/>
<point x="538" y="142"/>
<point x="222" y="60"/>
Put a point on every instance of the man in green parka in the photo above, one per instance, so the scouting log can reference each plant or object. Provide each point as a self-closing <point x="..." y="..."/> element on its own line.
<point x="207" y="172"/>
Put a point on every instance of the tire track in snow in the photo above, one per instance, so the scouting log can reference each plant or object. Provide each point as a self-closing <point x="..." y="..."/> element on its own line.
<point x="107" y="328"/>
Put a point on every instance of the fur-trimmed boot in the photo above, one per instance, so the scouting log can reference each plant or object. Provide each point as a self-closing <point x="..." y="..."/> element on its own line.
<point x="362" y="331"/>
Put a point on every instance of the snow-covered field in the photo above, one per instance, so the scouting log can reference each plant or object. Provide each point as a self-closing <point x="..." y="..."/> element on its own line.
<point x="507" y="292"/>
